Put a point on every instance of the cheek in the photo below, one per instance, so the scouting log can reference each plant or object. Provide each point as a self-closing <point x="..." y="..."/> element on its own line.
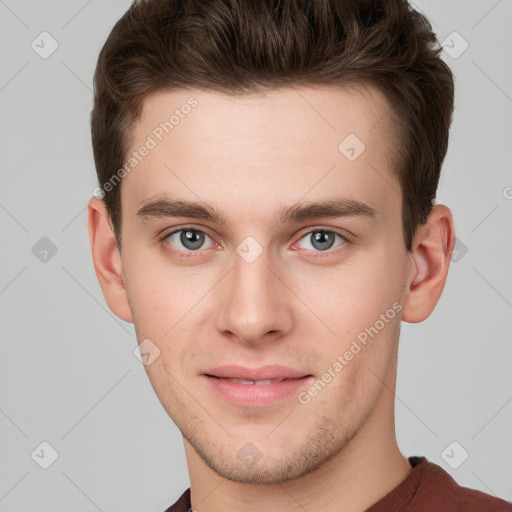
<point x="352" y="297"/>
<point x="166" y="309"/>
<point x="361" y="305"/>
<point x="366" y="365"/>
<point x="158" y="293"/>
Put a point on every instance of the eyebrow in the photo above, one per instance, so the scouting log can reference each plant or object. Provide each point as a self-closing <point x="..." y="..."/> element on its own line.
<point x="164" y="207"/>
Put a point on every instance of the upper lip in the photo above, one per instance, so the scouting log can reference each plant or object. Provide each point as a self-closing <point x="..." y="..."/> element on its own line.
<point x="261" y="373"/>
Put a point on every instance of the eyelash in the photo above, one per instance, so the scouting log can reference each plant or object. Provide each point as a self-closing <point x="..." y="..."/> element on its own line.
<point x="197" y="253"/>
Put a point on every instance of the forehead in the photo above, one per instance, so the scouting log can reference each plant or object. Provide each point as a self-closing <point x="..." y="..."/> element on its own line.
<point x="273" y="117"/>
<point x="260" y="149"/>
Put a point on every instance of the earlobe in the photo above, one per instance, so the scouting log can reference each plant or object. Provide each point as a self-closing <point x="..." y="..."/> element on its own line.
<point x="107" y="260"/>
<point x="429" y="263"/>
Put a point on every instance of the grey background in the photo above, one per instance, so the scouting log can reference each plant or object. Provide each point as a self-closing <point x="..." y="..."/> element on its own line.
<point x="68" y="373"/>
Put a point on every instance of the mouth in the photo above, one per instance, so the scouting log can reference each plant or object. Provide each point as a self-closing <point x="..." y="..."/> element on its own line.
<point x="255" y="387"/>
<point x="263" y="382"/>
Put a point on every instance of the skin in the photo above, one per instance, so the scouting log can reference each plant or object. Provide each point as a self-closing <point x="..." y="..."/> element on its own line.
<point x="295" y="305"/>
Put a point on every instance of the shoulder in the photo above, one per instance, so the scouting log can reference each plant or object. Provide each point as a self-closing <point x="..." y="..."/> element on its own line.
<point x="440" y="491"/>
<point x="182" y="505"/>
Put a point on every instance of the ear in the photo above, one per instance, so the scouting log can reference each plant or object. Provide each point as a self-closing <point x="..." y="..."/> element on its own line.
<point x="429" y="262"/>
<point x="107" y="259"/>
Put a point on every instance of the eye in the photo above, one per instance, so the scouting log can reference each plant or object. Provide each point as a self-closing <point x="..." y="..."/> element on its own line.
<point x="322" y="240"/>
<point x="190" y="239"/>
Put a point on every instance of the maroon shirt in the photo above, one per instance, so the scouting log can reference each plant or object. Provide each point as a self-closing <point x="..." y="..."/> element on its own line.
<point x="427" y="488"/>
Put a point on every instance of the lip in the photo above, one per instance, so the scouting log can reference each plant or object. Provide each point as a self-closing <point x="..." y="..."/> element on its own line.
<point x="254" y="395"/>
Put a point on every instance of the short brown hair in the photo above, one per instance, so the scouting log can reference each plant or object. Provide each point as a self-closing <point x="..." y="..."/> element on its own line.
<point x="243" y="46"/>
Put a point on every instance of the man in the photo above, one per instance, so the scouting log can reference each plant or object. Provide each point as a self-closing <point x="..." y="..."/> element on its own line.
<point x="268" y="173"/>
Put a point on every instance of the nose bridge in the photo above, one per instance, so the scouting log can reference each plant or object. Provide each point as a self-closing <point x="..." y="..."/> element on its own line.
<point x="254" y="302"/>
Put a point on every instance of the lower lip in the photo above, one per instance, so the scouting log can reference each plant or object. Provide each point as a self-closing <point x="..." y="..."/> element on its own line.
<point x="253" y="395"/>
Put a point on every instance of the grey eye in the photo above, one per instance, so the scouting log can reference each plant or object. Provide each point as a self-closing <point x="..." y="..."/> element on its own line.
<point x="321" y="239"/>
<point x="190" y="239"/>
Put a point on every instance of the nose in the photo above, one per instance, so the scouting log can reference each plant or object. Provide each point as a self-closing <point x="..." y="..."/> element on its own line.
<point x="255" y="305"/>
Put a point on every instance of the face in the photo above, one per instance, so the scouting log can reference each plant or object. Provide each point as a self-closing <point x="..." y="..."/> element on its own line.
<point x="291" y="274"/>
